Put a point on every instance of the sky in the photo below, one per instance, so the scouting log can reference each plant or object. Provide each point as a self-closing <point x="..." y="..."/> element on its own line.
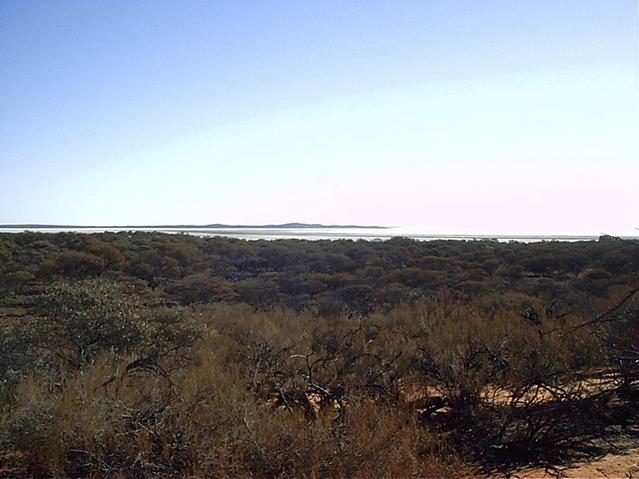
<point x="451" y="116"/>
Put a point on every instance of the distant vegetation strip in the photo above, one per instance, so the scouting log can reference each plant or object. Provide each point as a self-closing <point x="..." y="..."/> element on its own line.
<point x="214" y="225"/>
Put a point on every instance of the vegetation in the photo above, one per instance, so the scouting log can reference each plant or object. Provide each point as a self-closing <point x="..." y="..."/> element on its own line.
<point x="152" y="355"/>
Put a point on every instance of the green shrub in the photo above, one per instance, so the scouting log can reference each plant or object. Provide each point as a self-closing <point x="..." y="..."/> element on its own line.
<point x="76" y="320"/>
<point x="77" y="264"/>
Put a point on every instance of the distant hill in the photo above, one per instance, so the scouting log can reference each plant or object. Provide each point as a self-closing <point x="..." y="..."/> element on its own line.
<point x="214" y="225"/>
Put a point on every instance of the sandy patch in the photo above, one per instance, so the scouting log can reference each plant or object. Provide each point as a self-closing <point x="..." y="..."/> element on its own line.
<point x="615" y="465"/>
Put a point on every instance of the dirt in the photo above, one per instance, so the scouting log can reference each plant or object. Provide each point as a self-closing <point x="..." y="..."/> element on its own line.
<point x="615" y="465"/>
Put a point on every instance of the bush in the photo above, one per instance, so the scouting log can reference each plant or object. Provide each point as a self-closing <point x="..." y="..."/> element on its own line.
<point x="200" y="288"/>
<point x="76" y="264"/>
<point x="79" y="319"/>
<point x="13" y="281"/>
<point x="111" y="256"/>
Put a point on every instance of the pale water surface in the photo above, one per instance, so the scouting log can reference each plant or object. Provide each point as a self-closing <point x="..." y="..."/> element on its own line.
<point x="371" y="234"/>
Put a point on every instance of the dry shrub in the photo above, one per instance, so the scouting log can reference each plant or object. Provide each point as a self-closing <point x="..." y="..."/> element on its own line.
<point x="490" y="361"/>
<point x="382" y="440"/>
<point x="203" y="423"/>
<point x="231" y="399"/>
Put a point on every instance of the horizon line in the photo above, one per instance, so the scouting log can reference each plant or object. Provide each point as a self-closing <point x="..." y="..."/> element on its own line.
<point x="310" y="226"/>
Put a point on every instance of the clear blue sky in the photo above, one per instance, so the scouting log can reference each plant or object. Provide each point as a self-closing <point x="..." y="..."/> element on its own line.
<point x="509" y="116"/>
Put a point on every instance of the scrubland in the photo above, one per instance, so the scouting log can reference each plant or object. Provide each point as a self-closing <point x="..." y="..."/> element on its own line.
<point x="151" y="355"/>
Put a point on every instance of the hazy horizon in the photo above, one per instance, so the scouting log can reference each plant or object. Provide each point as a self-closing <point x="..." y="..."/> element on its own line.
<point x="456" y="117"/>
<point x="306" y="231"/>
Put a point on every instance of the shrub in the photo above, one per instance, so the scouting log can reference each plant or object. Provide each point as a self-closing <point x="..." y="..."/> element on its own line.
<point x="79" y="319"/>
<point x="76" y="264"/>
<point x="201" y="288"/>
<point x="13" y="281"/>
<point x="111" y="256"/>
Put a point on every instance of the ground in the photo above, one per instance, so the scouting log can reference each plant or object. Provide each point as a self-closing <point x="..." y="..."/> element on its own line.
<point x="623" y="464"/>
